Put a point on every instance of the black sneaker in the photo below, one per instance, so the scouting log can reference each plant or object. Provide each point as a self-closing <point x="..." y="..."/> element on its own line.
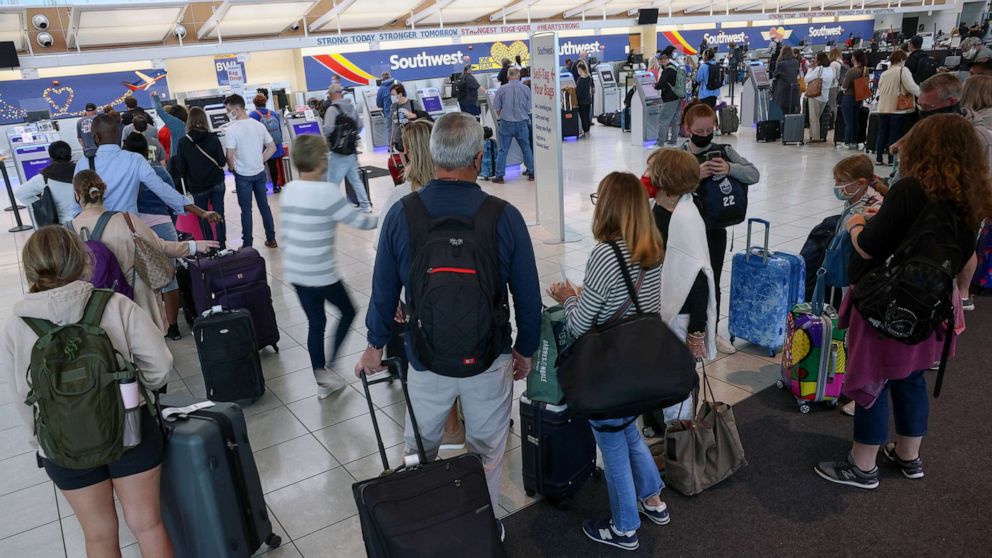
<point x="846" y="472"/>
<point x="173" y="333"/>
<point x="912" y="469"/>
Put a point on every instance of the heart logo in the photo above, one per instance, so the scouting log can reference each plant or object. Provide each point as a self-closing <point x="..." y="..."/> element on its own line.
<point x="60" y="98"/>
<point x="500" y="51"/>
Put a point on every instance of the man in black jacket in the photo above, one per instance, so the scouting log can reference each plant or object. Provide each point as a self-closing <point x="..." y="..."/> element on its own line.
<point x="918" y="62"/>
<point x="671" y="104"/>
<point x="468" y="94"/>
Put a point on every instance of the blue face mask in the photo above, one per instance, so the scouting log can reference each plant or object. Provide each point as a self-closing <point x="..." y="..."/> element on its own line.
<point x="840" y="191"/>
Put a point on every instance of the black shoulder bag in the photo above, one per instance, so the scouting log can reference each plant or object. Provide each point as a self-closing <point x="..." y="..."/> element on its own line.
<point x="626" y="368"/>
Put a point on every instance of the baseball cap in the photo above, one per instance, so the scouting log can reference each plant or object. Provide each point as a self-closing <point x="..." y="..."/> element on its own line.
<point x="90" y="106"/>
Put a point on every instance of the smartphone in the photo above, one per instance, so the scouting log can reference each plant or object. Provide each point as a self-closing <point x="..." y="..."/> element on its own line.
<point x="713" y="155"/>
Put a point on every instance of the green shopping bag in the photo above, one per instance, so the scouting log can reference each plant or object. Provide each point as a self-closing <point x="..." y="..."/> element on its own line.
<point x="542" y="382"/>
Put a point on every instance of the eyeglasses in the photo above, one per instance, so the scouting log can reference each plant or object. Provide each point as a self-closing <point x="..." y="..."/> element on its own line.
<point x="594" y="197"/>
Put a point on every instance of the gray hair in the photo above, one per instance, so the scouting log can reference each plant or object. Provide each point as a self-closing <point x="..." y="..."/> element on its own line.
<point x="456" y="141"/>
<point x="970" y="42"/>
<point x="946" y="84"/>
<point x="513" y="73"/>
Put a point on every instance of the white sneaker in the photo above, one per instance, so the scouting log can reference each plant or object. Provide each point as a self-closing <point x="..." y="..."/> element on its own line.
<point x="724" y="346"/>
<point x="453" y="440"/>
<point x="327" y="382"/>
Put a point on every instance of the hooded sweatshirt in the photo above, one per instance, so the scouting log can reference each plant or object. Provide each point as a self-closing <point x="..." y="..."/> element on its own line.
<point x="200" y="170"/>
<point x="341" y="106"/>
<point x="130" y="329"/>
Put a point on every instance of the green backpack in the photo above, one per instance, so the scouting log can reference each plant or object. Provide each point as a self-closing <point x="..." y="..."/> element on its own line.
<point x="73" y="388"/>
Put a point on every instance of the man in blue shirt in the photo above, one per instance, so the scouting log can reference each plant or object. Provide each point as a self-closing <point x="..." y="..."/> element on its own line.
<point x="383" y="101"/>
<point x="486" y="397"/>
<point x="512" y="106"/>
<point x="124" y="172"/>
<point x="707" y="95"/>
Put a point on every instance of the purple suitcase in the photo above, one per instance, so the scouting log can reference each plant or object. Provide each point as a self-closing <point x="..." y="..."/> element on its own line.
<point x="236" y="280"/>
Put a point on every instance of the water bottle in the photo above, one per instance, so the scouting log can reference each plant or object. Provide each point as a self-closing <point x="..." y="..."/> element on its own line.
<point x="132" y="412"/>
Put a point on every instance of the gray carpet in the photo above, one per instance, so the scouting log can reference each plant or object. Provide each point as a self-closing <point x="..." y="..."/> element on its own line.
<point x="777" y="506"/>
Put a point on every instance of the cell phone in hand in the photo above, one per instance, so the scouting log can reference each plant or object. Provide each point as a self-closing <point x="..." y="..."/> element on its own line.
<point x="713" y="155"/>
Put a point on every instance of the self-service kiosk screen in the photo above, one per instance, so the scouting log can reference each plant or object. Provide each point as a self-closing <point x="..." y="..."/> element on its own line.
<point x="760" y="76"/>
<point x="301" y="128"/>
<point x="217" y="120"/>
<point x="648" y="89"/>
<point x="433" y="104"/>
<point x="34" y="164"/>
<point x="607" y="77"/>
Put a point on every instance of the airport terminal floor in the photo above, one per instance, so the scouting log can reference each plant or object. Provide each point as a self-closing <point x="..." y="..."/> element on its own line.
<point x="310" y="451"/>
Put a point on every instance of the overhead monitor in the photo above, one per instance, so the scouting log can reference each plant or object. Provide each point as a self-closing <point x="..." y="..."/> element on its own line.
<point x="647" y="16"/>
<point x="37" y="115"/>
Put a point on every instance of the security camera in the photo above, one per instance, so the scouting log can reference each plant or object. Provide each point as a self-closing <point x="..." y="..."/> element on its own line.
<point x="40" y="22"/>
<point x="180" y="31"/>
<point x="294" y="26"/>
<point x="45" y="39"/>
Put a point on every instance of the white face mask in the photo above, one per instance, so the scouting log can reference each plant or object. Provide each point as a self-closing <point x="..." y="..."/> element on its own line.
<point x="394" y="98"/>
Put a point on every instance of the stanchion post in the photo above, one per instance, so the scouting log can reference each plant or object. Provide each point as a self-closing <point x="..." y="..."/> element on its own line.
<point x="13" y="202"/>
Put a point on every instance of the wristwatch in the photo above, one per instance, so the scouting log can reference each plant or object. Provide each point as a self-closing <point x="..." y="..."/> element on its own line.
<point x="373" y="347"/>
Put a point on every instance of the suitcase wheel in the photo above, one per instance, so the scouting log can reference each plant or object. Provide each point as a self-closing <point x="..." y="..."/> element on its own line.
<point x="804" y="408"/>
<point x="273" y="541"/>
<point x="833" y="403"/>
<point x="780" y="384"/>
<point x="771" y="353"/>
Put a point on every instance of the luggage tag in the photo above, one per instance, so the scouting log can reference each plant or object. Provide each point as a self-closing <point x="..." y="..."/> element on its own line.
<point x="184" y="412"/>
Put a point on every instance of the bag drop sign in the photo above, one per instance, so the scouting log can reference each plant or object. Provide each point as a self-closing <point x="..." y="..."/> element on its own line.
<point x="224" y="63"/>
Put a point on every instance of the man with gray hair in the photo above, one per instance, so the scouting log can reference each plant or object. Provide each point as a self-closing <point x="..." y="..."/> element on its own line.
<point x="512" y="106"/>
<point x="341" y="127"/>
<point x="455" y="250"/>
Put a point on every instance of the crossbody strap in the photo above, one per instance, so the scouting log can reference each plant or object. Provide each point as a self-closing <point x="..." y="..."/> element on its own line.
<point x="628" y="281"/>
<point x="201" y="150"/>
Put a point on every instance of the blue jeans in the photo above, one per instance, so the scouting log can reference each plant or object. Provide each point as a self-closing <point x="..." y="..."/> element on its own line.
<point x="312" y="300"/>
<point x="849" y="109"/>
<point x="212" y="200"/>
<point x="631" y="473"/>
<point x="470" y="107"/>
<point x="167" y="232"/>
<point x="246" y="187"/>
<point x="668" y="122"/>
<point x="341" y="166"/>
<point x="519" y="131"/>
<point x="910" y="406"/>
<point x="891" y="128"/>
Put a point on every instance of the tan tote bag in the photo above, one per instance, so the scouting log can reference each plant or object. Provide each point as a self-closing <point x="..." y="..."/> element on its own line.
<point x="702" y="452"/>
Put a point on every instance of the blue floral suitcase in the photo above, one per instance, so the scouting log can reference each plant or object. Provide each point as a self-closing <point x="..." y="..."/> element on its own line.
<point x="764" y="286"/>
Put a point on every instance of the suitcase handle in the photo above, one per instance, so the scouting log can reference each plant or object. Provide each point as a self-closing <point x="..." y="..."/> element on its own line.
<point x="395" y="366"/>
<point x="764" y="248"/>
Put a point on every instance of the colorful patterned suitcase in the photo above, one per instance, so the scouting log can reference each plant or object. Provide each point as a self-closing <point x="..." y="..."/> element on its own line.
<point x="815" y="356"/>
<point x="764" y="286"/>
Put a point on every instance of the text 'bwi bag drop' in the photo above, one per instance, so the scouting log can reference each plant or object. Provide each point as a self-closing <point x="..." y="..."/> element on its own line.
<point x="628" y="367"/>
<point x="459" y="319"/>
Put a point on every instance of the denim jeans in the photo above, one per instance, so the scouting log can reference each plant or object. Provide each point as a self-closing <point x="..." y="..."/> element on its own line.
<point x="246" y="187"/>
<point x="212" y="200"/>
<point x="341" y="166"/>
<point x="519" y="131"/>
<point x="312" y="300"/>
<point x="910" y="407"/>
<point x="849" y="108"/>
<point x="631" y="473"/>
<point x="891" y="128"/>
<point x="668" y="122"/>
<point x="470" y="107"/>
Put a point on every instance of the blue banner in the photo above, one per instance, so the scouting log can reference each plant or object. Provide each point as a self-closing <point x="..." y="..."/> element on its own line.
<point x="222" y="63"/>
<point x="66" y="97"/>
<point x="761" y="37"/>
<point x="363" y="68"/>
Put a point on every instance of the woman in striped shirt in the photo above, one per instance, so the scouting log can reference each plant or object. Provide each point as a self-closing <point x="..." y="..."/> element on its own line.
<point x="311" y="210"/>
<point x="623" y="217"/>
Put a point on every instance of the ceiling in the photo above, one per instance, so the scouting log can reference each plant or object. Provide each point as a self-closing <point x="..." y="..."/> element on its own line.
<point x="99" y="24"/>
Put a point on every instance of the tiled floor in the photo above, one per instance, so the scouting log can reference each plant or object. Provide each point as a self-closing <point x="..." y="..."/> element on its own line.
<point x="309" y="452"/>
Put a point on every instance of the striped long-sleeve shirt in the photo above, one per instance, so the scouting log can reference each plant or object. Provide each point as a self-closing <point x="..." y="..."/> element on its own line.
<point x="310" y="212"/>
<point x="604" y="292"/>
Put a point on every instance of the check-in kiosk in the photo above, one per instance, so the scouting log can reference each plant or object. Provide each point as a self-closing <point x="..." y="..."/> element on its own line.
<point x="430" y="99"/>
<point x="607" y="97"/>
<point x="376" y="120"/>
<point x="756" y="96"/>
<point x="217" y="118"/>
<point x="303" y="122"/>
<point x="29" y="147"/>
<point x="644" y="110"/>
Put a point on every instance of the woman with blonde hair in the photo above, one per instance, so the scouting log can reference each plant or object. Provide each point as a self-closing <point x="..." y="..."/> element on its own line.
<point x="418" y="167"/>
<point x="654" y="66"/>
<point x="942" y="163"/>
<point x="622" y="220"/>
<point x="116" y="230"/>
<point x="56" y="265"/>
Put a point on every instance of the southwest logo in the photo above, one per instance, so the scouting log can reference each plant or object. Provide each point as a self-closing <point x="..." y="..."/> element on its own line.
<point x="345" y="68"/>
<point x="780" y="33"/>
<point x="676" y="39"/>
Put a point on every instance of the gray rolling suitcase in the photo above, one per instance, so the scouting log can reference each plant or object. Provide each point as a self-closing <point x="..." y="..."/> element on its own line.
<point x="212" y="502"/>
<point x="792" y="129"/>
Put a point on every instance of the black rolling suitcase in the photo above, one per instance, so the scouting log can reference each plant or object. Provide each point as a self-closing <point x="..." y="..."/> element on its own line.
<point x="559" y="451"/>
<point x="212" y="502"/>
<point x="768" y="130"/>
<point x="440" y="508"/>
<point x="185" y="283"/>
<point x="225" y="343"/>
<point x="571" y="124"/>
<point x="729" y="120"/>
<point x="349" y="188"/>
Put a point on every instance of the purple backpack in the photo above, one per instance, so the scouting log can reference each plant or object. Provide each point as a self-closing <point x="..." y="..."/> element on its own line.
<point x="106" y="270"/>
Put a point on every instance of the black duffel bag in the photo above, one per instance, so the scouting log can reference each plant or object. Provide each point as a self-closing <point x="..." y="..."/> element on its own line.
<point x="628" y="367"/>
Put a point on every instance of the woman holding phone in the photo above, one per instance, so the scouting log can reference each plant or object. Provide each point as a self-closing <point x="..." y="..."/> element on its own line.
<point x="715" y="160"/>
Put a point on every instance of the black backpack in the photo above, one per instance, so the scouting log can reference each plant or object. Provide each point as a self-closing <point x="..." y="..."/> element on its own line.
<point x="911" y="294"/>
<point x="722" y="200"/>
<point x="926" y="68"/>
<point x="458" y="88"/>
<point x="714" y="76"/>
<point x="459" y="313"/>
<point x="343" y="139"/>
<point x="815" y="249"/>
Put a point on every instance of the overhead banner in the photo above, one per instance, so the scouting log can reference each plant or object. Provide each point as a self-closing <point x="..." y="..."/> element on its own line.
<point x="227" y="66"/>
<point x="546" y="122"/>
<point x="408" y="64"/>
<point x="760" y="37"/>
<point x="66" y="97"/>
